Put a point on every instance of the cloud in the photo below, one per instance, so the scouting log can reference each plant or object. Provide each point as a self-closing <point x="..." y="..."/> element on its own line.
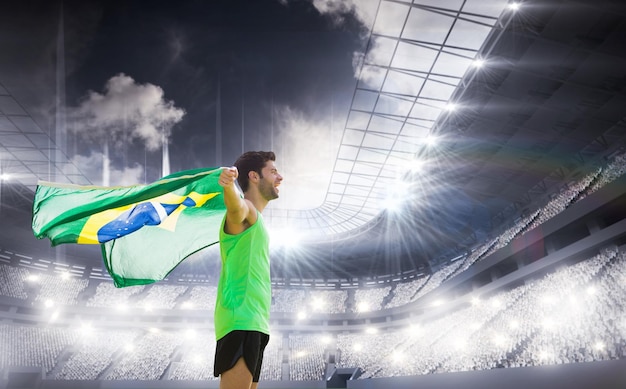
<point x="363" y="10"/>
<point x="306" y="155"/>
<point x="91" y="167"/>
<point x="125" y="112"/>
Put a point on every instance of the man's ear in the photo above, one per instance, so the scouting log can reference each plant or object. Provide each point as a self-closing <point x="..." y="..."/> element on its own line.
<point x="253" y="176"/>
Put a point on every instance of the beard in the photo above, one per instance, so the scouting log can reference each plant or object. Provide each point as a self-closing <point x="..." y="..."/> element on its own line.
<point x="267" y="190"/>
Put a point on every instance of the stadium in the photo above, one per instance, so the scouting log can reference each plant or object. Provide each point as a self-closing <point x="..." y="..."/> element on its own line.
<point x="472" y="231"/>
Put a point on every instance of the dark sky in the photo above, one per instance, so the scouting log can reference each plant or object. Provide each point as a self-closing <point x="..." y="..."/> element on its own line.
<point x="282" y="70"/>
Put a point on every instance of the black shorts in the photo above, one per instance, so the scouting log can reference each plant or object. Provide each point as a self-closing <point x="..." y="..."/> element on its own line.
<point x="236" y="344"/>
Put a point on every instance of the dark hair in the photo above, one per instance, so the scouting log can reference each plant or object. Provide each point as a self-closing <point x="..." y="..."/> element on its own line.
<point x="252" y="161"/>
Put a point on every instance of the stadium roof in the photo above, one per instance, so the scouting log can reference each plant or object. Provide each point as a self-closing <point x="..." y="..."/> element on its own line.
<point x="545" y="106"/>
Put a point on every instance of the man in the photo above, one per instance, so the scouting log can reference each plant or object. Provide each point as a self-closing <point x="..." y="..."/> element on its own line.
<point x="244" y="291"/>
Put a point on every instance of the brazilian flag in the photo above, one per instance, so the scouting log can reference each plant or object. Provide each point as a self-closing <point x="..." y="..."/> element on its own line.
<point x="145" y="231"/>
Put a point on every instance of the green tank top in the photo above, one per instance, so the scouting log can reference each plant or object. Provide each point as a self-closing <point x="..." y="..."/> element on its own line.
<point x="244" y="291"/>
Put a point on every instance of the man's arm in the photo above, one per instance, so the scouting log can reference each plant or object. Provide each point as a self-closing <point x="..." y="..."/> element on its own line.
<point x="240" y="213"/>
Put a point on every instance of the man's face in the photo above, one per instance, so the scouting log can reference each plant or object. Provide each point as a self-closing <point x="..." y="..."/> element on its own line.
<point x="270" y="180"/>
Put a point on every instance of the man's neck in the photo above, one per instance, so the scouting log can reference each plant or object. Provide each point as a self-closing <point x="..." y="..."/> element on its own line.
<point x="256" y="199"/>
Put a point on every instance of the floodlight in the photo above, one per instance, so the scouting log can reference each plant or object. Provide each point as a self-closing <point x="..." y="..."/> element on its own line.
<point x="301" y="315"/>
<point x="514" y="6"/>
<point x="317" y="303"/>
<point x="5" y="177"/>
<point x="437" y="303"/>
<point x="478" y="63"/>
<point x="363" y="307"/>
<point x="54" y="316"/>
<point x="32" y="278"/>
<point x="431" y="140"/>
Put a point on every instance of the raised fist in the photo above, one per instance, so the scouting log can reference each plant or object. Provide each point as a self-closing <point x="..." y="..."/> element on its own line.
<point x="228" y="176"/>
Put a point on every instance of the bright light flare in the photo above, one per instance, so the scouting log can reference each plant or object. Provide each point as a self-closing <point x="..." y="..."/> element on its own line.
<point x="417" y="166"/>
<point x="499" y="340"/>
<point x="318" y="304"/>
<point x="5" y="177"/>
<point x="86" y="329"/>
<point x="54" y="316"/>
<point x="478" y="63"/>
<point x="187" y="305"/>
<point x="438" y="303"/>
<point x="431" y="140"/>
<point x="371" y="330"/>
<point x="396" y="196"/>
<point x="285" y="238"/>
<point x="414" y="329"/>
<point x="514" y="6"/>
<point x="363" y="307"/>
<point x="397" y="356"/>
<point x="325" y="339"/>
<point x="32" y="278"/>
